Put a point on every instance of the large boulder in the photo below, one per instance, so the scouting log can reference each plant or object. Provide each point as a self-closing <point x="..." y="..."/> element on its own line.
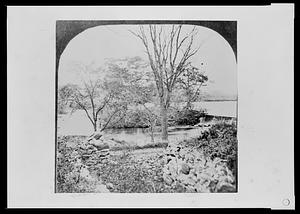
<point x="101" y="188"/>
<point x="185" y="169"/>
<point x="97" y="135"/>
<point x="84" y="173"/>
<point x="100" y="144"/>
<point x="99" y="141"/>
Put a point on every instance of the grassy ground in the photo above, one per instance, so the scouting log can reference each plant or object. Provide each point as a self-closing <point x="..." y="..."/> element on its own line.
<point x="74" y="141"/>
<point x="130" y="169"/>
<point x="139" y="169"/>
<point x="136" y="171"/>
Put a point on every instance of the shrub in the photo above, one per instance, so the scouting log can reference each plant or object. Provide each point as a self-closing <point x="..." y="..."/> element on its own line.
<point x="221" y="141"/>
<point x="189" y="117"/>
<point x="132" y="119"/>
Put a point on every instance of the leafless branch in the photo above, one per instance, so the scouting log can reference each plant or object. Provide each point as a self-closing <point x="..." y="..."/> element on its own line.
<point x="86" y="111"/>
<point x="110" y="118"/>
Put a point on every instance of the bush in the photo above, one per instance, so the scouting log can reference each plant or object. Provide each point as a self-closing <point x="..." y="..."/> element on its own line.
<point x="61" y="109"/>
<point x="189" y="117"/>
<point x="220" y="141"/>
<point x="132" y="119"/>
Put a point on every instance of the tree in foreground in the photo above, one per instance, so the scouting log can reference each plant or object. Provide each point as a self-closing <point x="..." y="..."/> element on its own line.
<point x="103" y="100"/>
<point x="169" y="53"/>
<point x="136" y="76"/>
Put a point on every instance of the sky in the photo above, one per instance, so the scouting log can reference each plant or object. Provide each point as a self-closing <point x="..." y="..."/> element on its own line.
<point x="92" y="46"/>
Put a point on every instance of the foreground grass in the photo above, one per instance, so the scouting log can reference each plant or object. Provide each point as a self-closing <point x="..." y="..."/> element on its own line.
<point x="130" y="168"/>
<point x="139" y="169"/>
<point x="132" y="171"/>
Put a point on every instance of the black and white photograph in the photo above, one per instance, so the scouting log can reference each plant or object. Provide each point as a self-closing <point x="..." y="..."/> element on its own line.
<point x="150" y="107"/>
<point x="146" y="107"/>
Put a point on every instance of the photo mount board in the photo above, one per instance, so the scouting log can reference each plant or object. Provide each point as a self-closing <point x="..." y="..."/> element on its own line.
<point x="265" y="50"/>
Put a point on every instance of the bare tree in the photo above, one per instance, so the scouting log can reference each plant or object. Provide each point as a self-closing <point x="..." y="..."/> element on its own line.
<point x="101" y="101"/>
<point x="168" y="53"/>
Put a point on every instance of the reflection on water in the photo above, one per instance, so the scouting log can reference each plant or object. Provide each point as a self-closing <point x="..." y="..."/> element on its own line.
<point x="145" y="131"/>
<point x="141" y="136"/>
<point x="78" y="124"/>
<point x="130" y="131"/>
<point x="69" y="125"/>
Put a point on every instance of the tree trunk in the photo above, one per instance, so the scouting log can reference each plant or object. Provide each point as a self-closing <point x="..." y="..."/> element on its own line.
<point x="189" y="100"/>
<point x="164" y="121"/>
<point x="188" y="105"/>
<point x="152" y="135"/>
<point x="95" y="126"/>
<point x="152" y="126"/>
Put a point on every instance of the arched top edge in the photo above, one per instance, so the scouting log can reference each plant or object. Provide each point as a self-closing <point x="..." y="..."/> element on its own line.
<point x="66" y="30"/>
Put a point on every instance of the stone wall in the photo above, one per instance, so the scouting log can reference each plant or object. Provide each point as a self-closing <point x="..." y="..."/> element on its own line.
<point x="92" y="155"/>
<point x="74" y="172"/>
<point x="190" y="168"/>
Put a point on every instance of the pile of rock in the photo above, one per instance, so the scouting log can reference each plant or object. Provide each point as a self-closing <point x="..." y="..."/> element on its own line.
<point x="74" y="164"/>
<point x="89" y="155"/>
<point x="195" y="171"/>
<point x="95" y="151"/>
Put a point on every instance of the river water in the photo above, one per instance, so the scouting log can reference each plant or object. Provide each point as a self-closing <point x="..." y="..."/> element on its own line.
<point x="78" y="124"/>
